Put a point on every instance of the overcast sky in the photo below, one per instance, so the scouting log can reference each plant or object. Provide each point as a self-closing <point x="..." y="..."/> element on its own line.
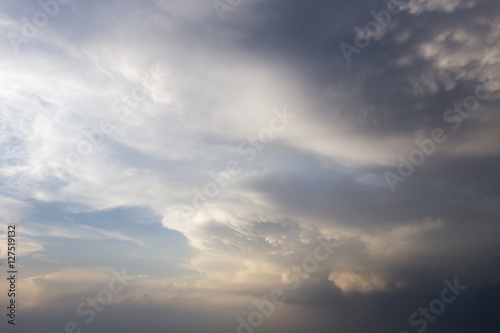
<point x="345" y="153"/>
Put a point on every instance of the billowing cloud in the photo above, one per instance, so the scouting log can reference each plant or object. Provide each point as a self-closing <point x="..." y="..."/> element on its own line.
<point x="213" y="158"/>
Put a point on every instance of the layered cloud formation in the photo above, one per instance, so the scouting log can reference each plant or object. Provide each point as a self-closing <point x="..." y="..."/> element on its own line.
<point x="209" y="157"/>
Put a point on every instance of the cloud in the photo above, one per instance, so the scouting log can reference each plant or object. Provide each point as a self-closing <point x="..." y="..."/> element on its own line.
<point x="195" y="88"/>
<point x="447" y="6"/>
<point x="79" y="232"/>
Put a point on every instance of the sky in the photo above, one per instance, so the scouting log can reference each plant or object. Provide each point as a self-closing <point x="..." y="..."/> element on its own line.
<point x="250" y="166"/>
